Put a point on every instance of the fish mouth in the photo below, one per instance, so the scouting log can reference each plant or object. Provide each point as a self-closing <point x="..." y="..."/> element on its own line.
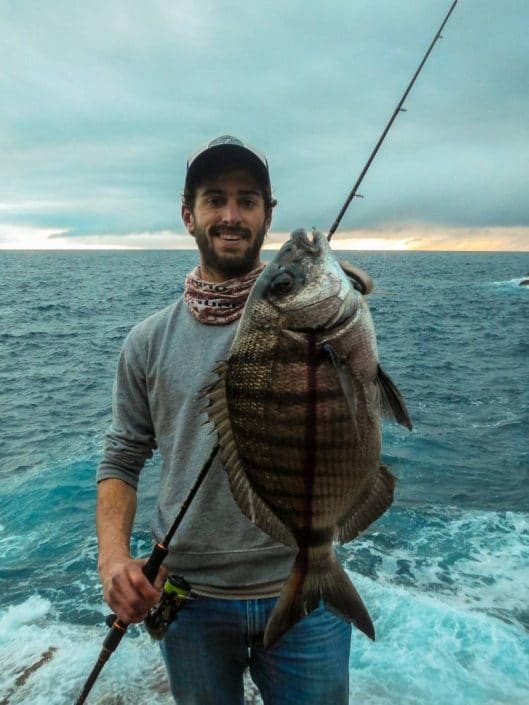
<point x="309" y="243"/>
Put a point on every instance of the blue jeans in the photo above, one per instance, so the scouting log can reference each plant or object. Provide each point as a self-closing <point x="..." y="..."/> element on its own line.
<point x="212" y="641"/>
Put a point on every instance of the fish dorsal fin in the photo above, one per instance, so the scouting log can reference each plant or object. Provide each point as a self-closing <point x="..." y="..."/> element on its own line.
<point x="392" y="404"/>
<point x="249" y="502"/>
<point x="374" y="505"/>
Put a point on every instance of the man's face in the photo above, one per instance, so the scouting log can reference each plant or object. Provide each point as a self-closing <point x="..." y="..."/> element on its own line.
<point x="229" y="223"/>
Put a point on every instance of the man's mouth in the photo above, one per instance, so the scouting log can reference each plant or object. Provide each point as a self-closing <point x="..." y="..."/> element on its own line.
<point x="229" y="234"/>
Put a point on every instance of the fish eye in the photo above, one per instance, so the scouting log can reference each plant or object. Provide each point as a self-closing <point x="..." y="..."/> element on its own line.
<point x="283" y="283"/>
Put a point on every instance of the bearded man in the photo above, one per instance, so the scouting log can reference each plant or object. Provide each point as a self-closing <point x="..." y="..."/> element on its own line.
<point x="235" y="570"/>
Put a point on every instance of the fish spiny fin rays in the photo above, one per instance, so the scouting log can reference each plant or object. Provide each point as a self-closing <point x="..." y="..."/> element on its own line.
<point x="302" y="593"/>
<point x="249" y="502"/>
<point x="344" y="376"/>
<point x="392" y="404"/>
<point x="374" y="505"/>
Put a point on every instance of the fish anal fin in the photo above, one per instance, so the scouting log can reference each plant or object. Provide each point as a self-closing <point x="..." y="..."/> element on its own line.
<point x="373" y="506"/>
<point x="250" y="503"/>
<point x="392" y="404"/>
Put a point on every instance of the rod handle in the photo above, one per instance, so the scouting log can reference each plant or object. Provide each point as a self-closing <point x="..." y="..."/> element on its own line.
<point x="155" y="560"/>
<point x="114" y="636"/>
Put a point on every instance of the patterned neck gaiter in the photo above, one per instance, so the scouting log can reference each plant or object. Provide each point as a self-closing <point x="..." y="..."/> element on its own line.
<point x="218" y="303"/>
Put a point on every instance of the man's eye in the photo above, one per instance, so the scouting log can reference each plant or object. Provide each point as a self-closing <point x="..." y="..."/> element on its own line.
<point x="214" y="201"/>
<point x="248" y="203"/>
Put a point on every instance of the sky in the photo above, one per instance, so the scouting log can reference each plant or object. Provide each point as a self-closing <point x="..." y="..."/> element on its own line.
<point x="102" y="102"/>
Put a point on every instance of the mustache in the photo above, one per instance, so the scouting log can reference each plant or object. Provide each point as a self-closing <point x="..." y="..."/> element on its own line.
<point x="230" y="230"/>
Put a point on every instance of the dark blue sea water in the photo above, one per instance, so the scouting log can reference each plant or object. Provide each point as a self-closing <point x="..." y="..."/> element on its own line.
<point x="445" y="572"/>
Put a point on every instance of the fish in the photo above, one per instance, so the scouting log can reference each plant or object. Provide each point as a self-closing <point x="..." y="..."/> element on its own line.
<point x="297" y="407"/>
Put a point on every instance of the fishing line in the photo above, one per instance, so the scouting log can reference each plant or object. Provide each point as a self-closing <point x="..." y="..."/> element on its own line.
<point x="397" y="110"/>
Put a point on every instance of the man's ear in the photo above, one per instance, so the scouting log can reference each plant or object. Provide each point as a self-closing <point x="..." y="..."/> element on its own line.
<point x="268" y="216"/>
<point x="268" y="220"/>
<point x="189" y="220"/>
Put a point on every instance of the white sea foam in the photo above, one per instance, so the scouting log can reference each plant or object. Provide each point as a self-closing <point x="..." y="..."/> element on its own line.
<point x="46" y="662"/>
<point x="427" y="652"/>
<point x="513" y="282"/>
<point x="472" y="559"/>
<point x="17" y="616"/>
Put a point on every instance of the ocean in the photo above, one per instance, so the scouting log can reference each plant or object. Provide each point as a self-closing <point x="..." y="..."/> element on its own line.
<point x="444" y="573"/>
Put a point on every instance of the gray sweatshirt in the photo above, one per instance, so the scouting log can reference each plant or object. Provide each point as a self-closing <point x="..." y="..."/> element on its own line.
<point x="165" y="363"/>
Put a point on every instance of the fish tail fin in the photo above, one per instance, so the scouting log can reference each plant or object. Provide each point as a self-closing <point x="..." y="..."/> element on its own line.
<point x="303" y="592"/>
<point x="341" y="597"/>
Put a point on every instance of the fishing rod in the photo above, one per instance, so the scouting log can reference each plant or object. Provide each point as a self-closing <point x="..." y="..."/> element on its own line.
<point x="150" y="570"/>
<point x="397" y="110"/>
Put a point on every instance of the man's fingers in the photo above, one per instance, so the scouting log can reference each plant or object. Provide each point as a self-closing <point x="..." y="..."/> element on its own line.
<point x="160" y="579"/>
<point x="141" y="584"/>
<point x="128" y="592"/>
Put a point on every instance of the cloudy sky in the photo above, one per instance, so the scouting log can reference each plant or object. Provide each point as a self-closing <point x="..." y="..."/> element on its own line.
<point x="102" y="102"/>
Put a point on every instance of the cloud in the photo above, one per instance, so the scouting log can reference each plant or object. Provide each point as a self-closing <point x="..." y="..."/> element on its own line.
<point x="18" y="237"/>
<point x="102" y="103"/>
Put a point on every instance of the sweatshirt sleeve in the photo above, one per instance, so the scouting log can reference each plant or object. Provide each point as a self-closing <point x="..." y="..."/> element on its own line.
<point x="130" y="440"/>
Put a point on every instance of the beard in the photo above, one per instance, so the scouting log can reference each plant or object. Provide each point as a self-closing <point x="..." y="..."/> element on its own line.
<point x="228" y="264"/>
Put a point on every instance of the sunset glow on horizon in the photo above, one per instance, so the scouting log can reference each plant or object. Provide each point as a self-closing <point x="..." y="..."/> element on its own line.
<point x="412" y="238"/>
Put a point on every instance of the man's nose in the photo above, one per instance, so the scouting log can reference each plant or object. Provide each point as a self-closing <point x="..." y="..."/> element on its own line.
<point x="230" y="213"/>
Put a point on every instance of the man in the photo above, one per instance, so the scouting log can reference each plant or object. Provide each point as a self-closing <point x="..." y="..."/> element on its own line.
<point x="236" y="571"/>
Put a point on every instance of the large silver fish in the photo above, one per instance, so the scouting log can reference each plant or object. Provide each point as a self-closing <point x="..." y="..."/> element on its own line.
<point x="297" y="408"/>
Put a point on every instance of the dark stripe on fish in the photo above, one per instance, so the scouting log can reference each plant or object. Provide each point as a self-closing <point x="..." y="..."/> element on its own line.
<point x="289" y="492"/>
<point x="269" y="439"/>
<point x="282" y="397"/>
<point x="313" y="537"/>
<point x="282" y="354"/>
<point x="310" y="430"/>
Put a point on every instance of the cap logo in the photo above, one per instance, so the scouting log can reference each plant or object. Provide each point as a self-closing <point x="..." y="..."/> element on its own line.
<point x="226" y="139"/>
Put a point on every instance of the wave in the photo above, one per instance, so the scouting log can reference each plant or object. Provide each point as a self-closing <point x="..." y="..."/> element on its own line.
<point x="426" y="652"/>
<point x="46" y="661"/>
<point x="520" y="283"/>
<point x="472" y="560"/>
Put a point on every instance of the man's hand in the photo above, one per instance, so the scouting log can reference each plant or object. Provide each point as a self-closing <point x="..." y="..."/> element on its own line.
<point x="127" y="591"/>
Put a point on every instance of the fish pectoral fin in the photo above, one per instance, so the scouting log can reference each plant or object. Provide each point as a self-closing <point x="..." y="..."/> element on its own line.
<point x="392" y="404"/>
<point x="374" y="505"/>
<point x="360" y="280"/>
<point x="344" y="377"/>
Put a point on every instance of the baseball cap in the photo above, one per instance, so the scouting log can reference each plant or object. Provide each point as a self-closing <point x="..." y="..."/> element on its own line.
<point x="227" y="152"/>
